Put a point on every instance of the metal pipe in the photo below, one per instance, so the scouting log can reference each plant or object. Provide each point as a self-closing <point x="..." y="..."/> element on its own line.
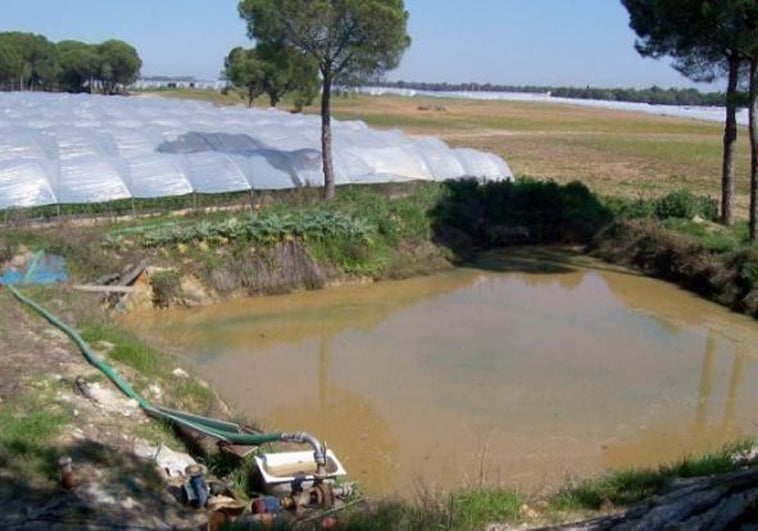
<point x="319" y="450"/>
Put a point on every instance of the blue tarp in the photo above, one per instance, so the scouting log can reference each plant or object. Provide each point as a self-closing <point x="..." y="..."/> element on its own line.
<point x="42" y="269"/>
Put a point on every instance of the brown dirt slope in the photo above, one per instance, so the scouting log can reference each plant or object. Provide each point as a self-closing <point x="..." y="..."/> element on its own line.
<point x="114" y="487"/>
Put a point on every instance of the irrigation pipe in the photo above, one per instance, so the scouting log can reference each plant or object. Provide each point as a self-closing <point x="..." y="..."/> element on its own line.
<point x="219" y="429"/>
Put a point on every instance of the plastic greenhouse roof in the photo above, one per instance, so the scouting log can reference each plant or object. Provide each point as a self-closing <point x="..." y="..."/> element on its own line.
<point x="61" y="148"/>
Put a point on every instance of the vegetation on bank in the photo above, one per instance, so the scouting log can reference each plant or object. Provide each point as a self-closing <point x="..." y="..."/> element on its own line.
<point x="278" y="241"/>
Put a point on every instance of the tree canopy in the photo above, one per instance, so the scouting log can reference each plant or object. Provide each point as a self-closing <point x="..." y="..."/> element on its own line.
<point x="31" y="62"/>
<point x="274" y="71"/>
<point x="706" y="39"/>
<point x="119" y="64"/>
<point x="244" y="69"/>
<point x="348" y="39"/>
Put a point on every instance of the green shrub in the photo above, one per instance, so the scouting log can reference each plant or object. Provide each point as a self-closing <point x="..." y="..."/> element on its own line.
<point x="685" y="204"/>
<point x="522" y="211"/>
<point x="166" y="287"/>
<point x="627" y="487"/>
<point x="624" y="207"/>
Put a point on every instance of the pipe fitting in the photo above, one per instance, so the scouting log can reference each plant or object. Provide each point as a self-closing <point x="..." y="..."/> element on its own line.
<point x="68" y="480"/>
<point x="319" y="450"/>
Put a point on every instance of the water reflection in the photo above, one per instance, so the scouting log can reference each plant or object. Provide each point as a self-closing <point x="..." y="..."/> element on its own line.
<point x="344" y="417"/>
<point x="671" y="438"/>
<point x="517" y="373"/>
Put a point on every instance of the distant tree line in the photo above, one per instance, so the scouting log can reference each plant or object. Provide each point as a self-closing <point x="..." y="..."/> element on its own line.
<point x="31" y="62"/>
<point x="458" y="87"/>
<point x="653" y="95"/>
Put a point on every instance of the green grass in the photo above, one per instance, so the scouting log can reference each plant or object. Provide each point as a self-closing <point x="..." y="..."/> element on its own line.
<point x="474" y="509"/>
<point x="126" y="348"/>
<point x="26" y="434"/>
<point x="150" y="366"/>
<point x="715" y="238"/>
<point x="626" y="487"/>
<point x="461" y="510"/>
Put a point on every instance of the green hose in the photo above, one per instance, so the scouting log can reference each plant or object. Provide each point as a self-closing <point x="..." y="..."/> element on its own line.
<point x="222" y="430"/>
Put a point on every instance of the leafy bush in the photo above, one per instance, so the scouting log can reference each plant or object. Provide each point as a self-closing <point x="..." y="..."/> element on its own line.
<point x="522" y="211"/>
<point x="267" y="228"/>
<point x="624" y="207"/>
<point x="685" y="204"/>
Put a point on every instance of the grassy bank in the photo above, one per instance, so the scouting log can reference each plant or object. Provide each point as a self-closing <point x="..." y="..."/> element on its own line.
<point x="476" y="508"/>
<point x="713" y="261"/>
<point x="292" y="240"/>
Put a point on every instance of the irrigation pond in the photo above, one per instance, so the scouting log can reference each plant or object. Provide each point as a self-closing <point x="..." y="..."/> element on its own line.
<point x="534" y="366"/>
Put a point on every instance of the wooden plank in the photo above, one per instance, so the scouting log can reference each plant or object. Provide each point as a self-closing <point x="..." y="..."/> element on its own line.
<point x="240" y="450"/>
<point x="130" y="276"/>
<point x="96" y="288"/>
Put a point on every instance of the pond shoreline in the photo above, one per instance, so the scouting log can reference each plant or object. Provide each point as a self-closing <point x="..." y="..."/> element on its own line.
<point x="522" y="259"/>
<point x="411" y="242"/>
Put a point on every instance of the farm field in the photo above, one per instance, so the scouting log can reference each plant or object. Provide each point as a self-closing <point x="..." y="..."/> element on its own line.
<point x="613" y="152"/>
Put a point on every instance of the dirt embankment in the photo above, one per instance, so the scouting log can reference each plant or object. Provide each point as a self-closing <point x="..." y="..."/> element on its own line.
<point x="727" y="278"/>
<point x="54" y="404"/>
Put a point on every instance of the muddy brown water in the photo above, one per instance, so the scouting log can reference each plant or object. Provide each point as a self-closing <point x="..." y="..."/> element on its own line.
<point x="535" y="366"/>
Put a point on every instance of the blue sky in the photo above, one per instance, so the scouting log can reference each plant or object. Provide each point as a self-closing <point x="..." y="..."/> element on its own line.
<point x="517" y="42"/>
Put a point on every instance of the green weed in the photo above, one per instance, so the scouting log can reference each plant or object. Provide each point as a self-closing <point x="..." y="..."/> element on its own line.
<point x="686" y="205"/>
<point x="626" y="487"/>
<point x="151" y="367"/>
<point x="474" y="509"/>
<point x="26" y="432"/>
<point x="126" y="348"/>
<point x="166" y="287"/>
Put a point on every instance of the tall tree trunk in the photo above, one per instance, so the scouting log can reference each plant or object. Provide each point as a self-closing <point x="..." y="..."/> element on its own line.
<point x="730" y="142"/>
<point x="753" y="148"/>
<point x="326" y="132"/>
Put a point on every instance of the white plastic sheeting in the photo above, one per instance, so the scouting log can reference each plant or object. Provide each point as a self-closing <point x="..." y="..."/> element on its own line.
<point x="695" y="112"/>
<point x="57" y="148"/>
